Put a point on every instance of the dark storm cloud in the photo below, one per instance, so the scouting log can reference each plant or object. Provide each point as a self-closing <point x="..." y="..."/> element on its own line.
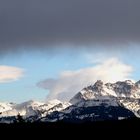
<point x="50" y="22"/>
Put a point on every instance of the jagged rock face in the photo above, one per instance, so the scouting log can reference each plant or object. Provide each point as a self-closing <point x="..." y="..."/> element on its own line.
<point x="98" y="86"/>
<point x="100" y="90"/>
<point x="127" y="94"/>
<point x="137" y="84"/>
<point x="127" y="88"/>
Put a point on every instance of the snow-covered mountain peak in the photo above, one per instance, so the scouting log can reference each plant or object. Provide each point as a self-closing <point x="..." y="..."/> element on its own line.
<point x="34" y="108"/>
<point x="99" y="90"/>
<point x="98" y="83"/>
<point x="5" y="107"/>
<point x="25" y="109"/>
<point x="54" y="102"/>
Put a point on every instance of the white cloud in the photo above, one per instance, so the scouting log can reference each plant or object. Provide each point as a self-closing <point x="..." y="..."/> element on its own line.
<point x="10" y="74"/>
<point x="70" y="82"/>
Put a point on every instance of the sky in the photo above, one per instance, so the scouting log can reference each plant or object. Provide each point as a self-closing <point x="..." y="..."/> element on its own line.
<point x="38" y="76"/>
<point x="52" y="49"/>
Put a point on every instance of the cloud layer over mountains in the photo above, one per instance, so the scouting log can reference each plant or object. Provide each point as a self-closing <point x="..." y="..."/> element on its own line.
<point x="70" y="82"/>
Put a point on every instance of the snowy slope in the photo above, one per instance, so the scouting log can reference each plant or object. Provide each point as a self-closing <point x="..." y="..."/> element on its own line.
<point x="24" y="109"/>
<point x="31" y="109"/>
<point x="5" y="107"/>
<point x="131" y="104"/>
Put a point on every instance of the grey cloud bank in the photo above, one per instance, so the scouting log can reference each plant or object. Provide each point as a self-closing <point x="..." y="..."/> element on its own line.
<point x="46" y="23"/>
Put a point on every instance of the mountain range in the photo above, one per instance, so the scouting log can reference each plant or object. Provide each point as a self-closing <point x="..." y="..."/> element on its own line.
<point x="97" y="102"/>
